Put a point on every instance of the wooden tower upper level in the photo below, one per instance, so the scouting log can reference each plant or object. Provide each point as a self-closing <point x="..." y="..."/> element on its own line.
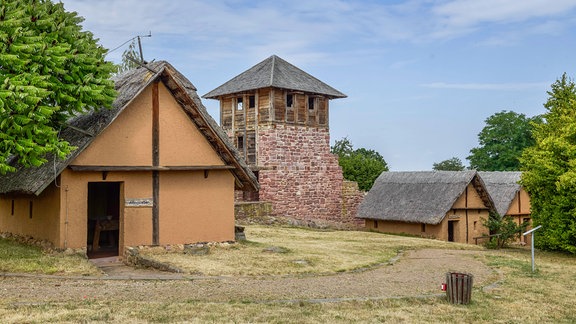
<point x="270" y="93"/>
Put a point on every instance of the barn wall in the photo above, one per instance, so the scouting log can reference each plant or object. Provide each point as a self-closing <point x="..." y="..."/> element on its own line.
<point x="469" y="199"/>
<point x="135" y="222"/>
<point x="181" y="143"/>
<point x="520" y="205"/>
<point x="438" y="231"/>
<point x="195" y="208"/>
<point x="520" y="212"/>
<point x="43" y="223"/>
<point x="395" y="227"/>
<point x="192" y="208"/>
<point x="131" y="131"/>
<point x="468" y="224"/>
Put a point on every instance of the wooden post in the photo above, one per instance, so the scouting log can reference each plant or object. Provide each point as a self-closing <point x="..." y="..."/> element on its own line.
<point x="155" y="162"/>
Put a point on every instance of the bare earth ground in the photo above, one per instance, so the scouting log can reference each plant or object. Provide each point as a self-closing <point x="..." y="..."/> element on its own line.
<point x="414" y="274"/>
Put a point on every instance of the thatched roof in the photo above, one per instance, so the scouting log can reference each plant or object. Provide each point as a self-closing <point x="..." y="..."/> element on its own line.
<point x="82" y="130"/>
<point x="277" y="73"/>
<point x="418" y="197"/>
<point x="502" y="187"/>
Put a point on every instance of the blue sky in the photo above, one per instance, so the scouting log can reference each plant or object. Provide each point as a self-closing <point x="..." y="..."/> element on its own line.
<point x="421" y="75"/>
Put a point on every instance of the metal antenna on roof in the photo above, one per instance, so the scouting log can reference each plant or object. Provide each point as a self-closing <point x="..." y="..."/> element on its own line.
<point x="131" y="39"/>
<point x="140" y="46"/>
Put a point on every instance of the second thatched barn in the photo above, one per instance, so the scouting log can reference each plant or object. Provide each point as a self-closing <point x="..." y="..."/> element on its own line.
<point x="446" y="205"/>
<point x="510" y="198"/>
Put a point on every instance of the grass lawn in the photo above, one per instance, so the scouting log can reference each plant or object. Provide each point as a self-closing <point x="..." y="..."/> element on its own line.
<point x="286" y="250"/>
<point x="16" y="257"/>
<point x="546" y="296"/>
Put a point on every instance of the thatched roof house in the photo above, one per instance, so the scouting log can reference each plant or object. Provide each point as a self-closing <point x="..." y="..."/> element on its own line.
<point x="406" y="202"/>
<point x="154" y="169"/>
<point x="418" y="197"/>
<point x="274" y="72"/>
<point x="503" y="187"/>
<point x="84" y="129"/>
<point x="509" y="196"/>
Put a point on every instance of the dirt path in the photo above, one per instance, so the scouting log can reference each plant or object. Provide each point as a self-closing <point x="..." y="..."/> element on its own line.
<point x="416" y="273"/>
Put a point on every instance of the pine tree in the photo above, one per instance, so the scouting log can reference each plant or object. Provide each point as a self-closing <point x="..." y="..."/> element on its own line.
<point x="50" y="70"/>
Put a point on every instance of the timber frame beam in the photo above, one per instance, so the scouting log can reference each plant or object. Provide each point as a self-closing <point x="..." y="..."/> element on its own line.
<point x="102" y="168"/>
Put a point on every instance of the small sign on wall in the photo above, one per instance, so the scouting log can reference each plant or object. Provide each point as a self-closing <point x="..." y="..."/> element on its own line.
<point x="139" y="202"/>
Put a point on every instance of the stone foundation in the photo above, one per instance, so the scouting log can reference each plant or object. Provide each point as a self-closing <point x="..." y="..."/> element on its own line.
<point x="252" y="209"/>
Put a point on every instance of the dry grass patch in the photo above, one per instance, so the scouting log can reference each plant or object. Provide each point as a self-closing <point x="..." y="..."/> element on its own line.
<point x="521" y="297"/>
<point x="288" y="250"/>
<point x="546" y="295"/>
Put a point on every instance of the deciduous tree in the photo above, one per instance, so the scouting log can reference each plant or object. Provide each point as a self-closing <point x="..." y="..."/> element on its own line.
<point x="50" y="70"/>
<point x="130" y="57"/>
<point x="505" y="228"/>
<point x="453" y="164"/>
<point x="550" y="170"/>
<point x="502" y="141"/>
<point x="360" y="165"/>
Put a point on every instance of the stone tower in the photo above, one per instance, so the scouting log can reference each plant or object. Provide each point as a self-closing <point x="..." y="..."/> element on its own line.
<point x="278" y="117"/>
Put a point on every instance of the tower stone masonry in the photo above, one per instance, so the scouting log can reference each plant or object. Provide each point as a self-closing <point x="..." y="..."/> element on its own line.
<point x="277" y="116"/>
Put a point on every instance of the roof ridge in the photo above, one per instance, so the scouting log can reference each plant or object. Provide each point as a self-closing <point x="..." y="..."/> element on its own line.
<point x="282" y="74"/>
<point x="272" y="68"/>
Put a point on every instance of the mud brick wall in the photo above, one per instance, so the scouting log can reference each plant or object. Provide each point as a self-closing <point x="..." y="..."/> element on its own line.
<point x="299" y="175"/>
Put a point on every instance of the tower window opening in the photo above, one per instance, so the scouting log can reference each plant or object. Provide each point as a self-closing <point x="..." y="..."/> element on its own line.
<point x="289" y="100"/>
<point x="239" y="103"/>
<point x="311" y="102"/>
<point x="240" y="143"/>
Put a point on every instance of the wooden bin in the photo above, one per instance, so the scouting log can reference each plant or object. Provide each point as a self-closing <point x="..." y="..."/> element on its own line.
<point x="459" y="287"/>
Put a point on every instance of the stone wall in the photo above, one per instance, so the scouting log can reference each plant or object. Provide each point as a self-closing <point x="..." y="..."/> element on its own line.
<point x="301" y="178"/>
<point x="351" y="199"/>
<point x="252" y="209"/>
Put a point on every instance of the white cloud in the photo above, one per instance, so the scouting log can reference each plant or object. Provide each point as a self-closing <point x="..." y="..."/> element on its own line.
<point x="487" y="86"/>
<point x="225" y="29"/>
<point x="462" y="13"/>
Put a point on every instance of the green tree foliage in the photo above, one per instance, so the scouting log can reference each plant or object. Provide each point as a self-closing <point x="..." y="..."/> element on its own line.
<point x="129" y="58"/>
<point x="506" y="229"/>
<point x="453" y="164"/>
<point x="360" y="165"/>
<point x="50" y="70"/>
<point x="550" y="170"/>
<point x="502" y="141"/>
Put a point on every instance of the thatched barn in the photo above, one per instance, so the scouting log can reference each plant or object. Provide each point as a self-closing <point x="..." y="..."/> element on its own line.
<point x="155" y="169"/>
<point x="277" y="116"/>
<point x="446" y="205"/>
<point x="510" y="198"/>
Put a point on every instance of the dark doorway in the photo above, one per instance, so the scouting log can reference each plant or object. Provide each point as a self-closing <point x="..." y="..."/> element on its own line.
<point x="451" y="231"/>
<point x="103" y="219"/>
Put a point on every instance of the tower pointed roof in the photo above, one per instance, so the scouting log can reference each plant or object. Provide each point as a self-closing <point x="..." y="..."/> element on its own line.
<point x="278" y="73"/>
